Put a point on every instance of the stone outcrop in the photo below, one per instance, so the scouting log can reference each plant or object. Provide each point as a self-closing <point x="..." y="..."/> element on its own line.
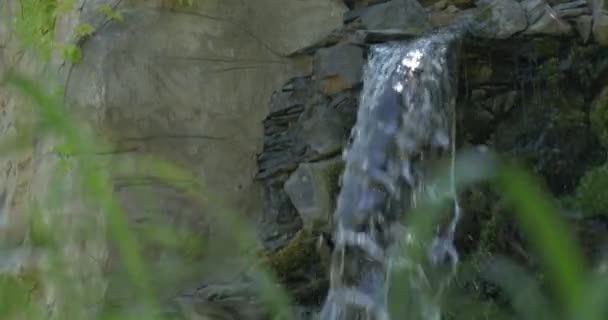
<point x="395" y="15"/>
<point x="338" y="68"/>
<point x="189" y="85"/>
<point x="527" y="84"/>
<point x="255" y="99"/>
<point x="500" y="19"/>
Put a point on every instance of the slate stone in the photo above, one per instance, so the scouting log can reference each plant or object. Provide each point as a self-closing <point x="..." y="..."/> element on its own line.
<point x="338" y="68"/>
<point x="312" y="189"/>
<point x="396" y="15"/>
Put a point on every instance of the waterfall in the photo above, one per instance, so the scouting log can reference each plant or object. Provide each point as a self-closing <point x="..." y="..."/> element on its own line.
<point x="405" y="118"/>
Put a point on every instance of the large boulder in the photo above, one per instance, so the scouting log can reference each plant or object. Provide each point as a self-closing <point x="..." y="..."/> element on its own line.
<point x="404" y="15"/>
<point x="289" y="26"/>
<point x="500" y="19"/>
<point x="542" y="19"/>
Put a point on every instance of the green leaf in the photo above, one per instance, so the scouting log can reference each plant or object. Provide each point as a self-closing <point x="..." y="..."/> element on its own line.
<point x="110" y="13"/>
<point x="84" y="29"/>
<point x="71" y="53"/>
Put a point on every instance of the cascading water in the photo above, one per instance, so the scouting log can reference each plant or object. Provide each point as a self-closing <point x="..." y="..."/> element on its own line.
<point x="403" y="120"/>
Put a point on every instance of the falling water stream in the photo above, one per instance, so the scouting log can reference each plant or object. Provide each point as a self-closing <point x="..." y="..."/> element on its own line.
<point x="405" y="119"/>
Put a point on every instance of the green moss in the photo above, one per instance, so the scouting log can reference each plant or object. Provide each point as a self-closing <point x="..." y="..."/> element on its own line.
<point x="566" y="119"/>
<point x="550" y="71"/>
<point x="299" y="252"/>
<point x="542" y="47"/>
<point x="599" y="118"/>
<point x="592" y="191"/>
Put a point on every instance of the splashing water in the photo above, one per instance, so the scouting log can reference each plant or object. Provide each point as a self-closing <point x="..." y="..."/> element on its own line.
<point x="403" y="121"/>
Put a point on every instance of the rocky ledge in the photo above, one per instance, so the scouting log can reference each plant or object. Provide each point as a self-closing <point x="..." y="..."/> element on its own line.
<point x="533" y="85"/>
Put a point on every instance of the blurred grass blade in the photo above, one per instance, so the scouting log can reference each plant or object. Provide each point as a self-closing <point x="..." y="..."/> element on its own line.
<point x="526" y="297"/>
<point x="547" y="233"/>
<point x="51" y="112"/>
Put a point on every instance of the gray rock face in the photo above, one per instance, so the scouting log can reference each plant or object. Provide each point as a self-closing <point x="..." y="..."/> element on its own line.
<point x="194" y="91"/>
<point x="324" y="130"/>
<point x="288" y="26"/>
<point x="338" y="68"/>
<point x="404" y="15"/>
<point x="500" y="19"/>
<point x="600" y="21"/>
<point x="312" y="189"/>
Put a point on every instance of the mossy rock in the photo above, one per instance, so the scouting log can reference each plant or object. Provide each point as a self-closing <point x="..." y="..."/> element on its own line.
<point x="551" y="133"/>
<point x="599" y="117"/>
<point x="299" y="253"/>
<point x="592" y="192"/>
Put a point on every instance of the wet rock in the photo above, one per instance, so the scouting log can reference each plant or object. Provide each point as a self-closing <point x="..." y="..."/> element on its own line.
<point x="584" y="26"/>
<point x="396" y="15"/>
<point x="500" y="19"/>
<point x="447" y="17"/>
<point x="364" y="37"/>
<point x="600" y="21"/>
<point x="480" y="73"/>
<point x="558" y="18"/>
<point x="477" y="122"/>
<point x="503" y="103"/>
<point x="442" y="4"/>
<point x="480" y="115"/>
<point x="313" y="188"/>
<point x="570" y="9"/>
<point x="539" y="48"/>
<point x="338" y="68"/>
<point x="542" y="19"/>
